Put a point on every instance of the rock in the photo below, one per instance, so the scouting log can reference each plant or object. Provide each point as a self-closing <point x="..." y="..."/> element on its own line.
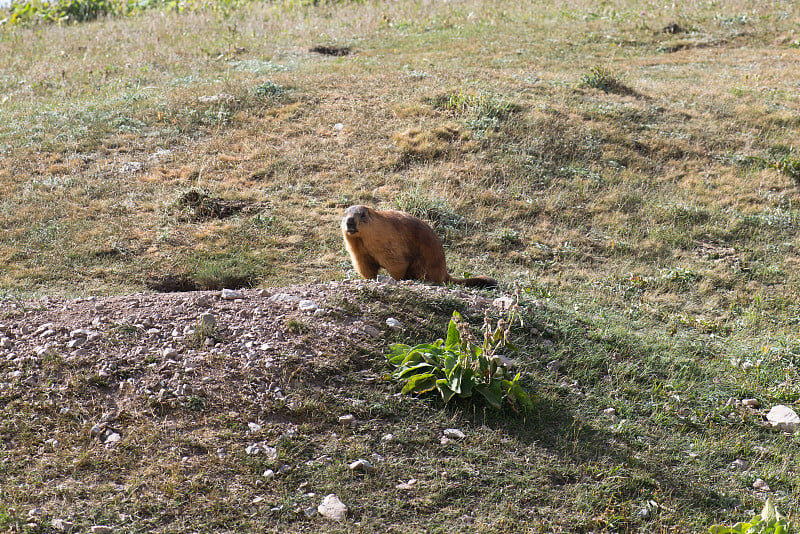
<point x="254" y="427"/>
<point x="611" y="412"/>
<point x="307" y="306"/>
<point x="372" y="331"/>
<point x="453" y="433"/>
<point x="97" y="429"/>
<point x="739" y="464"/>
<point x="114" y="437"/>
<point x="101" y="529"/>
<point x="783" y="418"/>
<point x="750" y="403"/>
<point x="760" y="485"/>
<point x="332" y="508"/>
<point x="6" y="343"/>
<point x="283" y="297"/>
<point x="262" y="448"/>
<point x="311" y="512"/>
<point x="63" y="525"/>
<point x="362" y="465"/>
<point x="208" y="321"/>
<point x="554" y="366"/>
<point x="348" y="420"/>
<point x="393" y="323"/>
<point x="407" y="486"/>
<point x="75" y="343"/>
<point x="170" y="352"/>
<point x="231" y="294"/>
<point x="504" y="303"/>
<point x="387" y="438"/>
<point x="269" y="474"/>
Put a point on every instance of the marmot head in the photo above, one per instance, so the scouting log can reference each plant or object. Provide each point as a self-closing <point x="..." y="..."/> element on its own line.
<point x="354" y="216"/>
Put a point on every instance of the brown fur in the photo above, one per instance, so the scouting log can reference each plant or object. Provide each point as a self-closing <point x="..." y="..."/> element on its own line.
<point x="405" y="246"/>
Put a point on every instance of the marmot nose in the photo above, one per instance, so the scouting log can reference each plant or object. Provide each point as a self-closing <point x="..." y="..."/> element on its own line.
<point x="351" y="225"/>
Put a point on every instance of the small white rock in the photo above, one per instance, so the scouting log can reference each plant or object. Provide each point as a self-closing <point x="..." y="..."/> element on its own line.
<point x="387" y="438"/>
<point x="170" y="352"/>
<point x="393" y="323"/>
<point x="739" y="464"/>
<point x="453" y="433"/>
<point x="504" y="303"/>
<point x="783" y="418"/>
<point x="348" y="420"/>
<point x="269" y="474"/>
<point x="101" y="529"/>
<point x="6" y="343"/>
<point x="750" y="403"/>
<point x="307" y="305"/>
<point x="332" y="508"/>
<point x="407" y="485"/>
<point x="63" y="525"/>
<point x="372" y="331"/>
<point x="760" y="485"/>
<point x="231" y="294"/>
<point x="113" y="438"/>
<point x="611" y="412"/>
<point x="254" y="427"/>
<point x="362" y="465"/>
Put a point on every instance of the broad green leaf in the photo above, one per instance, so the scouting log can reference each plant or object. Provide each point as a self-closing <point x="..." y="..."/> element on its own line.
<point x="454" y="378"/>
<point x="420" y="383"/>
<point x="769" y="513"/>
<point x="453" y="337"/>
<point x="416" y="369"/>
<point x="444" y="389"/>
<point x="491" y="397"/>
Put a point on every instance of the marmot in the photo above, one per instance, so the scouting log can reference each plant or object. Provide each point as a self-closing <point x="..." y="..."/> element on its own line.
<point x="400" y="243"/>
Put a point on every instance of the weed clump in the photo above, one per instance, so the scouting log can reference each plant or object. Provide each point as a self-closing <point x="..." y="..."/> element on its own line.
<point x="600" y="77"/>
<point x="461" y="366"/>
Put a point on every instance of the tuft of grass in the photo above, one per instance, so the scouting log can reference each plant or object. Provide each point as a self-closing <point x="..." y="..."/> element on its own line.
<point x="601" y="77"/>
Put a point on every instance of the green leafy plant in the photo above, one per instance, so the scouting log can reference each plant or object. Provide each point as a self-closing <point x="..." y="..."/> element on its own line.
<point x="788" y="165"/>
<point x="459" y="366"/>
<point x="769" y="521"/>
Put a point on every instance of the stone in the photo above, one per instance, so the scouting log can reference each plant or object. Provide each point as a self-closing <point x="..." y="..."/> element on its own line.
<point x="407" y="486"/>
<point x="372" y="331"/>
<point x="393" y="323"/>
<point x="6" y="343"/>
<point x="332" y="508"/>
<point x="362" y="465"/>
<point x="254" y="427"/>
<point x="348" y="420"/>
<point x="231" y="294"/>
<point x="269" y="474"/>
<point x="760" y="485"/>
<point x="114" y="437"/>
<point x="453" y="433"/>
<point x="77" y="342"/>
<point x="750" y="403"/>
<point x="387" y="438"/>
<point x="63" y="525"/>
<point x="283" y="297"/>
<point x="307" y="305"/>
<point x="262" y="448"/>
<point x="101" y="529"/>
<point x="208" y="321"/>
<point x="611" y="412"/>
<point x="783" y="418"/>
<point x="503" y="303"/>
<point x="739" y="464"/>
<point x="170" y="352"/>
<point x="554" y="366"/>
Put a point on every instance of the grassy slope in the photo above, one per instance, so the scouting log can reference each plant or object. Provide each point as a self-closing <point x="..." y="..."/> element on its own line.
<point x="638" y="211"/>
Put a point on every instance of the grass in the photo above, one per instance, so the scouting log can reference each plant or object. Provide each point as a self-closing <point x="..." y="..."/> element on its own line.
<point x="634" y="207"/>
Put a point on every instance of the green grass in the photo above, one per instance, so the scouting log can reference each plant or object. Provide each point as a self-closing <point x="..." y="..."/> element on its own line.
<point x="643" y="182"/>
